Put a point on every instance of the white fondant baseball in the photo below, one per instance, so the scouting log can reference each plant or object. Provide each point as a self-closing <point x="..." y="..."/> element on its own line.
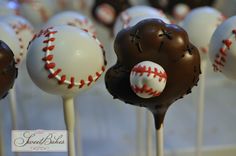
<point x="65" y="60"/>
<point x="148" y="79"/>
<point x="8" y="35"/>
<point x="71" y="18"/>
<point x="37" y="12"/>
<point x="222" y="49"/>
<point x="24" y="32"/>
<point x="133" y="15"/>
<point x="200" y="25"/>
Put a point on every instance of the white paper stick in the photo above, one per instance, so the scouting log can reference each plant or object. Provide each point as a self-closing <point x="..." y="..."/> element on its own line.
<point x="69" y="115"/>
<point x="200" y="110"/>
<point x="13" y="107"/>
<point x="160" y="142"/>
<point x="149" y="132"/>
<point x="139" y="131"/>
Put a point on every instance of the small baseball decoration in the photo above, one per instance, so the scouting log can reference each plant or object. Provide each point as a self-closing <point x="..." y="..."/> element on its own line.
<point x="24" y="32"/>
<point x="133" y="15"/>
<point x="37" y="12"/>
<point x="222" y="50"/>
<point x="72" y="18"/>
<point x="65" y="60"/>
<point x="199" y="32"/>
<point x="148" y="79"/>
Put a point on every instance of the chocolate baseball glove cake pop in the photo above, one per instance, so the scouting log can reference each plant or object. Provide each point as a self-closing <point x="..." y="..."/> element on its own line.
<point x="8" y="71"/>
<point x="106" y="11"/>
<point x="156" y="65"/>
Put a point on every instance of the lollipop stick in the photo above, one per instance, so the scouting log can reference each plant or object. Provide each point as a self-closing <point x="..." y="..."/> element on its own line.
<point x="69" y="115"/>
<point x="149" y="131"/>
<point x="139" y="131"/>
<point x="79" y="149"/>
<point x="159" y="142"/>
<point x="13" y="105"/>
<point x="200" y="111"/>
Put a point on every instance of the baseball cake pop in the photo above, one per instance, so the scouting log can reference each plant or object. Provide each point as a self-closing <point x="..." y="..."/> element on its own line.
<point x="8" y="71"/>
<point x="106" y="11"/>
<point x="24" y="32"/>
<point x="222" y="50"/>
<point x="199" y="32"/>
<point x="133" y="15"/>
<point x="156" y="65"/>
<point x="169" y="5"/>
<point x="71" y="18"/>
<point x="65" y="60"/>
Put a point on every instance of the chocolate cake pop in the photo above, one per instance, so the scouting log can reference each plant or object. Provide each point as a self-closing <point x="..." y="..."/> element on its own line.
<point x="164" y="44"/>
<point x="106" y="11"/>
<point x="169" y="5"/>
<point x="8" y="71"/>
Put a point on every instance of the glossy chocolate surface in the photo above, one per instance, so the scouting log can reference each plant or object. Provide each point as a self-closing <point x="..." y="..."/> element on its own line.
<point x="8" y="71"/>
<point x="165" y="44"/>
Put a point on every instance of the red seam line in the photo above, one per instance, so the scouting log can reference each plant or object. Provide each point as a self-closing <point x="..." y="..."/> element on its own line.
<point x="63" y="78"/>
<point x="82" y="83"/>
<point x="50" y="48"/>
<point x="142" y="69"/>
<point x="90" y="79"/>
<point x="49" y="66"/>
<point x="50" y="39"/>
<point x="72" y="83"/>
<point x="227" y="42"/>
<point x="48" y="58"/>
<point x="145" y="89"/>
<point x="53" y="75"/>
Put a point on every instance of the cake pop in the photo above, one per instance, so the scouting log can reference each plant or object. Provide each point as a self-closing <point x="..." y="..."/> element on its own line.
<point x="24" y="32"/>
<point x="71" y="18"/>
<point x="133" y="15"/>
<point x="199" y="32"/>
<point x="37" y="12"/>
<point x="8" y="71"/>
<point x="169" y="5"/>
<point x="164" y="44"/>
<point x="9" y="36"/>
<point x="222" y="50"/>
<point x="106" y="11"/>
<point x="65" y="60"/>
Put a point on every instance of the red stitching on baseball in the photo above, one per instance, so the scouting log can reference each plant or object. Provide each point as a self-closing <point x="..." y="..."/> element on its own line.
<point x="220" y="57"/>
<point x="18" y="27"/>
<point x="143" y="69"/>
<point x="50" y="66"/>
<point x="145" y="89"/>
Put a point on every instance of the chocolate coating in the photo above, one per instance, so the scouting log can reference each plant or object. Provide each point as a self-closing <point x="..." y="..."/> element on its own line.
<point x="8" y="71"/>
<point x="165" y="44"/>
<point x="168" y="5"/>
<point x="117" y="5"/>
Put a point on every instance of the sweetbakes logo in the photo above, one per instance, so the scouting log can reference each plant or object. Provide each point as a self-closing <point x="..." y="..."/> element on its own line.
<point x="39" y="141"/>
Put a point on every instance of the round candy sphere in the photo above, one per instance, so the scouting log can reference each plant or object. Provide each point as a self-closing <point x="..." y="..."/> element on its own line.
<point x="106" y="11"/>
<point x="71" y="18"/>
<point x="24" y="33"/>
<point x="8" y="71"/>
<point x="222" y="49"/>
<point x="65" y="60"/>
<point x="148" y="79"/>
<point x="37" y="12"/>
<point x="8" y="35"/>
<point x="135" y="14"/>
<point x="200" y="25"/>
